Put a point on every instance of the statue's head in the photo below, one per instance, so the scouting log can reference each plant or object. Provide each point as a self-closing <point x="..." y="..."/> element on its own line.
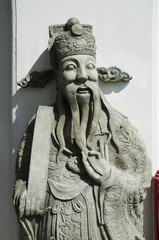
<point x="72" y="51"/>
<point x="72" y="54"/>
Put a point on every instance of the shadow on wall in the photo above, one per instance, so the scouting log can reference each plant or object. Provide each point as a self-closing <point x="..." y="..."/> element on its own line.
<point x="42" y="62"/>
<point x="26" y="100"/>
<point x="109" y="87"/>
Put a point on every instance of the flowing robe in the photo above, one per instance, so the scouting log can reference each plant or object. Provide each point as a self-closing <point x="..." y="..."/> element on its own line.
<point x="80" y="208"/>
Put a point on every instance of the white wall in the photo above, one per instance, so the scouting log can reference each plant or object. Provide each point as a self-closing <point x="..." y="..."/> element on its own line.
<point x="123" y="31"/>
<point x="156" y="86"/>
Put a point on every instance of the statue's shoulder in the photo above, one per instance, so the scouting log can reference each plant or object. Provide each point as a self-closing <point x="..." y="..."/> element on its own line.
<point x="120" y="124"/>
<point x="121" y="115"/>
<point x="126" y="128"/>
<point x="42" y="111"/>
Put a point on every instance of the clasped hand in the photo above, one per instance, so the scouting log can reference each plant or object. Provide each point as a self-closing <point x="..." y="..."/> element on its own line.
<point x="97" y="164"/>
<point x="27" y="206"/>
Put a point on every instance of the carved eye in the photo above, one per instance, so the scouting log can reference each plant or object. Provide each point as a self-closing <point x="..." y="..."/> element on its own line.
<point x="70" y="67"/>
<point x="90" y="66"/>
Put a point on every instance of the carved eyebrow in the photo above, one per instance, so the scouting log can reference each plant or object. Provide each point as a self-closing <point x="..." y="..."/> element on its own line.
<point x="91" y="59"/>
<point x="69" y="60"/>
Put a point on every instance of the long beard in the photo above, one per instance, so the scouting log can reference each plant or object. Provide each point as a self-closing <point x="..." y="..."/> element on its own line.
<point x="85" y="110"/>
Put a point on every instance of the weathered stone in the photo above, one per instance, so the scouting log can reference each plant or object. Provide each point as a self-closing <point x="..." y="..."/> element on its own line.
<point x="95" y="170"/>
<point x="40" y="155"/>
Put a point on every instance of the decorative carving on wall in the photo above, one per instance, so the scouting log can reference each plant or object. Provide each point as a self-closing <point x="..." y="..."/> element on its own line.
<point x="113" y="74"/>
<point x="37" y="79"/>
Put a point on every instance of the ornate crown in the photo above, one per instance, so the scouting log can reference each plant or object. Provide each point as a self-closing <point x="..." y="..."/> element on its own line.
<point x="71" y="39"/>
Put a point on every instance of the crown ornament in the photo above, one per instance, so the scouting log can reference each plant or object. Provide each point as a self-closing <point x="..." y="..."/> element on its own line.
<point x="71" y="39"/>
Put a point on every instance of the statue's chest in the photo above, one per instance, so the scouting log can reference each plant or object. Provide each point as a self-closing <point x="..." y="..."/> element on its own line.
<point x="64" y="167"/>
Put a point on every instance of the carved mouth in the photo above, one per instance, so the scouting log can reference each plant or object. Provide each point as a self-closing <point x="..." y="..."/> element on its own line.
<point x="83" y="90"/>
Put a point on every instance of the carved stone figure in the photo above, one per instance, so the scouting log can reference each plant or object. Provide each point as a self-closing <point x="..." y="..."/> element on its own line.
<point x="82" y="169"/>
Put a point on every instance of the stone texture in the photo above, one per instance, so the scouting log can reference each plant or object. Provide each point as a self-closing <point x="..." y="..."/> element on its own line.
<point x="95" y="180"/>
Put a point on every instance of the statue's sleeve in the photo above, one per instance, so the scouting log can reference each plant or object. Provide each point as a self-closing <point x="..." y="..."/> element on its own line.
<point x="24" y="152"/>
<point x="122" y="195"/>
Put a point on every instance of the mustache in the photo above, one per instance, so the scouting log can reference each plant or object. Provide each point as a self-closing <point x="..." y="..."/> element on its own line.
<point x="88" y="86"/>
<point x="84" y="124"/>
<point x="72" y="99"/>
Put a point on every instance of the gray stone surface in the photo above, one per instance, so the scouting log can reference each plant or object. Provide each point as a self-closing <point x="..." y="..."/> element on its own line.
<point x="98" y="169"/>
<point x="40" y="156"/>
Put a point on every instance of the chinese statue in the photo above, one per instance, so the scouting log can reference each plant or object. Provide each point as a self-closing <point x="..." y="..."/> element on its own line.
<point x="82" y="170"/>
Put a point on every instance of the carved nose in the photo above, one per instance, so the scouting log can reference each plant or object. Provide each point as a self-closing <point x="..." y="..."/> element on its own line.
<point x="82" y="75"/>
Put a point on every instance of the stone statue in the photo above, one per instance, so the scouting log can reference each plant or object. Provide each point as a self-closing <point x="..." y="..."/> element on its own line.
<point x="82" y="170"/>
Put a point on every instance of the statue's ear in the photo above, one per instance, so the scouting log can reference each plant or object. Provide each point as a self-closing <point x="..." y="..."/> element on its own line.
<point x="113" y="74"/>
<point x="37" y="79"/>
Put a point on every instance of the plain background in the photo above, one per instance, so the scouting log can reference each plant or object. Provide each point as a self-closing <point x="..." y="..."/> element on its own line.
<point x="124" y="31"/>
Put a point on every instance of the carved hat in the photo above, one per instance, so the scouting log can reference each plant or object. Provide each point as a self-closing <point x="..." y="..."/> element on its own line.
<point x="71" y="39"/>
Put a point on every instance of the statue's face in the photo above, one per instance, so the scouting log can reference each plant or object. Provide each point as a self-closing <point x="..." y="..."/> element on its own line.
<point x="76" y="74"/>
<point x="77" y="80"/>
